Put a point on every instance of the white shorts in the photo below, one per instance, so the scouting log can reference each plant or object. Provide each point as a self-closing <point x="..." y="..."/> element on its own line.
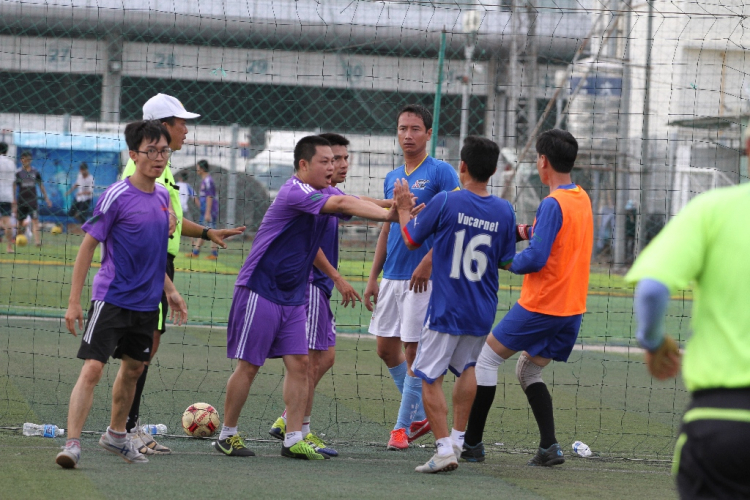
<point x="439" y="352"/>
<point x="400" y="312"/>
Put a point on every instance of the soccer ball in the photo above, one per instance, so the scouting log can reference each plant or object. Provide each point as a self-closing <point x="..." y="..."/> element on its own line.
<point x="21" y="240"/>
<point x="200" y="420"/>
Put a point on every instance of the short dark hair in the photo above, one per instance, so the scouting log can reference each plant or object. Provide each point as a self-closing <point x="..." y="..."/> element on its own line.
<point x="151" y="130"/>
<point x="420" y="111"/>
<point x="183" y="175"/>
<point x="168" y="120"/>
<point x="3" y="148"/>
<point x="335" y="139"/>
<point x="26" y="154"/>
<point x="307" y="147"/>
<point x="203" y="164"/>
<point x="83" y="166"/>
<point x="480" y="156"/>
<point x="560" y="148"/>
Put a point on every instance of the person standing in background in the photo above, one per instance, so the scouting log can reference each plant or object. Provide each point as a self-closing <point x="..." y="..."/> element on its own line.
<point x="7" y="194"/>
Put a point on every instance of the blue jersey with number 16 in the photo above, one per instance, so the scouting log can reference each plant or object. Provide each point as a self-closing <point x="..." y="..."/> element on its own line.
<point x="474" y="236"/>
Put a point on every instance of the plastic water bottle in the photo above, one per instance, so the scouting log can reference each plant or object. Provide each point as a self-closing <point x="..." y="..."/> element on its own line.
<point x="154" y="429"/>
<point x="46" y="430"/>
<point x="582" y="449"/>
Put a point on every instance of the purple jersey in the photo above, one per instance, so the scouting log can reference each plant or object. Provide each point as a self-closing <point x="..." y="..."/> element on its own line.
<point x="330" y="246"/>
<point x="208" y="188"/>
<point x="281" y="260"/>
<point x="133" y="228"/>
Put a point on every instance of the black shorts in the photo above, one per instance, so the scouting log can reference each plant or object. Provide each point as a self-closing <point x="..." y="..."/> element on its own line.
<point x="713" y="449"/>
<point x="25" y="210"/>
<point x="114" y="331"/>
<point x="80" y="210"/>
<point x="6" y="209"/>
<point x="164" y="306"/>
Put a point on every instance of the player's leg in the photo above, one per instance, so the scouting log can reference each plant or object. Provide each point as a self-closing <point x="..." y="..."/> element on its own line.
<point x="238" y="389"/>
<point x="145" y="443"/>
<point x="251" y="329"/>
<point x="133" y="348"/>
<point x="98" y="343"/>
<point x="462" y="363"/>
<point x="529" y="374"/>
<point x="290" y="344"/>
<point x="123" y="390"/>
<point x="492" y="355"/>
<point x="386" y="325"/>
<point x="554" y="341"/>
<point x="36" y="228"/>
<point x="411" y="414"/>
<point x="8" y="228"/>
<point x="430" y="364"/>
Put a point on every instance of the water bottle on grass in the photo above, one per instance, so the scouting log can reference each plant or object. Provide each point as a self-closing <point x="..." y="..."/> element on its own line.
<point x="582" y="449"/>
<point x="46" y="430"/>
<point x="154" y="429"/>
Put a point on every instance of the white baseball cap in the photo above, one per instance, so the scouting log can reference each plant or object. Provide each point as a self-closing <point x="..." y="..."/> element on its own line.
<point x="165" y="106"/>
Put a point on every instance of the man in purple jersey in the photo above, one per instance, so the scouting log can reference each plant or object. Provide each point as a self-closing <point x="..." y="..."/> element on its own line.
<point x="321" y="325"/>
<point x="267" y="317"/>
<point x="131" y="220"/>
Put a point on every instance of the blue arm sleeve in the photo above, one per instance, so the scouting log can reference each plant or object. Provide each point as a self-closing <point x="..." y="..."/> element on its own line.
<point x="650" y="303"/>
<point x="548" y="224"/>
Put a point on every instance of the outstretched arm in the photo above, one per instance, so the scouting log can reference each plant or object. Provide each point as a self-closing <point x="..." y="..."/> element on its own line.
<point x="193" y="230"/>
<point x="350" y="205"/>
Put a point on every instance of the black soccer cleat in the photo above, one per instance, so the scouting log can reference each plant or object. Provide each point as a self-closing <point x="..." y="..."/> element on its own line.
<point x="473" y="453"/>
<point x="549" y="457"/>
<point x="233" y="446"/>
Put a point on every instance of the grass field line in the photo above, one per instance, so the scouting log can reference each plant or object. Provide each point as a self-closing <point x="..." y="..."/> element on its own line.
<point x="363" y="336"/>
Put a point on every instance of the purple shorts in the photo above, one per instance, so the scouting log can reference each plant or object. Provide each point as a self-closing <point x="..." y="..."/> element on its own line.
<point x="259" y="329"/>
<point x="321" y="326"/>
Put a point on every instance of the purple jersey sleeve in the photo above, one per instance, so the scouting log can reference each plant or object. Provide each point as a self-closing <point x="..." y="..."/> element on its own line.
<point x="105" y="213"/>
<point x="305" y="198"/>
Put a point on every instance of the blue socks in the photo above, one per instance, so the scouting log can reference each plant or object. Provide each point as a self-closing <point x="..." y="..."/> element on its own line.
<point x="411" y="403"/>
<point x="399" y="373"/>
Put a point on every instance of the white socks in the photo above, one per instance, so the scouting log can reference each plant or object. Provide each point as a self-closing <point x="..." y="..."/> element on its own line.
<point x="458" y="438"/>
<point x="444" y="447"/>
<point x="227" y="432"/>
<point x="292" y="438"/>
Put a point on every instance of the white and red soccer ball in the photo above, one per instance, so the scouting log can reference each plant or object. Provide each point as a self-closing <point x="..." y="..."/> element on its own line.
<point x="200" y="420"/>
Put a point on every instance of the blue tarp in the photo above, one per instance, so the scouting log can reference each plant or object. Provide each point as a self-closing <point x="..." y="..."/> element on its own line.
<point x="58" y="156"/>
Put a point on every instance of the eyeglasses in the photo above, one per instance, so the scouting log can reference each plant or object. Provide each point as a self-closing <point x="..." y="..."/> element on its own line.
<point x="154" y="153"/>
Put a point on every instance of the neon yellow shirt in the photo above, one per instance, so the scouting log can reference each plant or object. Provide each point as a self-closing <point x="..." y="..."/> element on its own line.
<point x="167" y="180"/>
<point x="706" y="244"/>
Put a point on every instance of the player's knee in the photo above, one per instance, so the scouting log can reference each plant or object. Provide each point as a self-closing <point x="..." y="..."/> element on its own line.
<point x="486" y="368"/>
<point x="91" y="372"/>
<point x="527" y="372"/>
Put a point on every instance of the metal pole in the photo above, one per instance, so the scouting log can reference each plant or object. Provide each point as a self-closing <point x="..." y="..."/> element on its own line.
<point x="468" y="53"/>
<point x="641" y="234"/>
<point x="232" y="185"/>
<point x="622" y="166"/>
<point x="438" y="97"/>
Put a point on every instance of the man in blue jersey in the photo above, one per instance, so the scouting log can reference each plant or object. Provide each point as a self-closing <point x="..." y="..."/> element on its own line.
<point x="474" y="236"/>
<point x="543" y="325"/>
<point x="321" y="325"/>
<point x="268" y="314"/>
<point x="131" y="220"/>
<point x="402" y="297"/>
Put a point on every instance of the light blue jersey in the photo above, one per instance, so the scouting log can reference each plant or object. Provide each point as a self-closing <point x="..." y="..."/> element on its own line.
<point x="473" y="237"/>
<point x="428" y="179"/>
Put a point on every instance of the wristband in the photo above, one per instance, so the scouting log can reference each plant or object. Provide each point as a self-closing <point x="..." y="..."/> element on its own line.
<point x="204" y="236"/>
<point x="523" y="232"/>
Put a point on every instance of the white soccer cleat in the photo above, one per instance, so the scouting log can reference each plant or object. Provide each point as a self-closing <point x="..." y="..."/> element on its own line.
<point x="68" y="458"/>
<point x="439" y="463"/>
